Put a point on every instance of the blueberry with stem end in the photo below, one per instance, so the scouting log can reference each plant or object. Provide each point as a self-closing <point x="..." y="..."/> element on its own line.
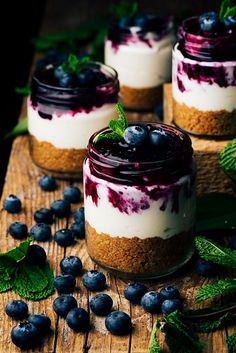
<point x="17" y="309"/>
<point x="64" y="237"/>
<point x="151" y="302"/>
<point x="209" y="22"/>
<point x="134" y="292"/>
<point x="41" y="232"/>
<point x="78" y="320"/>
<point x="43" y="215"/>
<point x="71" y="265"/>
<point x="41" y="321"/>
<point x="47" y="183"/>
<point x="118" y="323"/>
<point x="12" y="204"/>
<point x="169" y="293"/>
<point x="135" y="135"/>
<point x="170" y="305"/>
<point x="63" y="304"/>
<point x="18" y="230"/>
<point x="25" y="335"/>
<point x="64" y="283"/>
<point x="72" y="194"/>
<point x="60" y="208"/>
<point x="94" y="280"/>
<point x="101" y="304"/>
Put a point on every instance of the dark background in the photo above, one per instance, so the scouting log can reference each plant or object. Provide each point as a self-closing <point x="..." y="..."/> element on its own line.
<point x="22" y="20"/>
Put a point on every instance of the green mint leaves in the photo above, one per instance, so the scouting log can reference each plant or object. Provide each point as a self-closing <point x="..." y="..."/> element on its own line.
<point x="227" y="159"/>
<point x="75" y="64"/>
<point x="124" y="8"/>
<point x="26" y="279"/>
<point x="117" y="126"/>
<point x="20" y="129"/>
<point x="226" y="9"/>
<point x="231" y="343"/>
<point x="153" y="346"/>
<point x="25" y="91"/>
<point x="215" y="289"/>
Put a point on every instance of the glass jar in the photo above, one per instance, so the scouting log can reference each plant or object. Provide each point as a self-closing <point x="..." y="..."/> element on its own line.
<point x="61" y="120"/>
<point x="140" y="50"/>
<point x="204" y="81"/>
<point x="140" y="214"/>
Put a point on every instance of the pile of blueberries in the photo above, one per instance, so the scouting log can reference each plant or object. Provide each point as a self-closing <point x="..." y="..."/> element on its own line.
<point x="43" y="217"/>
<point x="138" y="135"/>
<point x="210" y="22"/>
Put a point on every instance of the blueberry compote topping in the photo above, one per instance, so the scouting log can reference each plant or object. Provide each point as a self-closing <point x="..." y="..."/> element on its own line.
<point x="205" y="38"/>
<point x="55" y="90"/>
<point x="164" y="157"/>
<point x="136" y="28"/>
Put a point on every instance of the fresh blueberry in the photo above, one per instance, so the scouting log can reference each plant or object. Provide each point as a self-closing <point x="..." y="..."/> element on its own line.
<point x="63" y="304"/>
<point x="159" y="138"/>
<point x="43" y="215"/>
<point x="72" y="194"/>
<point x="17" y="309"/>
<point x="126" y="22"/>
<point x="25" y="335"/>
<point x="94" y="280"/>
<point x="118" y="323"/>
<point x="47" y="183"/>
<point x="64" y="237"/>
<point x="61" y="208"/>
<point x="79" y="215"/>
<point x="209" y="22"/>
<point x="68" y="80"/>
<point x="58" y="72"/>
<point x="101" y="304"/>
<point x="18" y="230"/>
<point x="135" y="135"/>
<point x="78" y="320"/>
<point x="169" y="293"/>
<point x="71" y="265"/>
<point x="41" y="232"/>
<point x="12" y="204"/>
<point x="141" y="21"/>
<point x="134" y="292"/>
<point x="64" y="283"/>
<point x="232" y="243"/>
<point x="78" y="230"/>
<point x="151" y="302"/>
<point x="229" y="22"/>
<point x="41" y="321"/>
<point x="205" y="268"/>
<point x="170" y="305"/>
<point x="86" y="77"/>
<point x="36" y="255"/>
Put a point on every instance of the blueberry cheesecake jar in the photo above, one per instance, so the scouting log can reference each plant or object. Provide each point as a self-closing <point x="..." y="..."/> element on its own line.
<point x="139" y="48"/>
<point x="140" y="206"/>
<point x="204" y="76"/>
<point x="64" y="110"/>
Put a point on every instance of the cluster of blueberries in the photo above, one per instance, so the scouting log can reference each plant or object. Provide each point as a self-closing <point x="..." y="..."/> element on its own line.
<point x="43" y="217"/>
<point x="142" y="21"/>
<point x="138" y="135"/>
<point x="210" y="22"/>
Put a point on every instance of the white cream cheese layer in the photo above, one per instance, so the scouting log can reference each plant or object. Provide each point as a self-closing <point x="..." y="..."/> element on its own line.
<point x="147" y="223"/>
<point x="67" y="130"/>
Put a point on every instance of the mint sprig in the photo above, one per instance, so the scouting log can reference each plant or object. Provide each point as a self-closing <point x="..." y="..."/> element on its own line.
<point x="227" y="159"/>
<point x="117" y="126"/>
<point x="124" y="8"/>
<point x="75" y="64"/>
<point x="153" y="346"/>
<point x="215" y="289"/>
<point x="25" y="91"/>
<point x="231" y="343"/>
<point x="226" y="9"/>
<point x="26" y="279"/>
<point x="21" y="128"/>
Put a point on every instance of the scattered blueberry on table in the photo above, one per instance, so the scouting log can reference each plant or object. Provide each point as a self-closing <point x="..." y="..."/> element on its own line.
<point x="78" y="230"/>
<point x="60" y="208"/>
<point x="17" y="309"/>
<point x="134" y="292"/>
<point x="43" y="215"/>
<point x="41" y="321"/>
<point x="12" y="204"/>
<point x="72" y="194"/>
<point x="79" y="215"/>
<point x="205" y="268"/>
<point x="41" y="232"/>
<point x="36" y="255"/>
<point x="71" y="265"/>
<point x="64" y="237"/>
<point x="169" y="293"/>
<point x="101" y="304"/>
<point x="25" y="335"/>
<point x="118" y="323"/>
<point x="18" y="230"/>
<point x="94" y="280"/>
<point x="78" y="320"/>
<point x="170" y="305"/>
<point x="64" y="283"/>
<point x="151" y="302"/>
<point x="47" y="183"/>
<point x="63" y="304"/>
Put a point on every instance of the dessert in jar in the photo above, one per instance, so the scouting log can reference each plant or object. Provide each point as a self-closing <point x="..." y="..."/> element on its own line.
<point x="67" y="105"/>
<point x="139" y="48"/>
<point x="140" y="205"/>
<point x="204" y="76"/>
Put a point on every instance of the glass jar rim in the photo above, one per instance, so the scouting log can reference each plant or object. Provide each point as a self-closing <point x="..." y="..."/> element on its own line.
<point x="113" y="73"/>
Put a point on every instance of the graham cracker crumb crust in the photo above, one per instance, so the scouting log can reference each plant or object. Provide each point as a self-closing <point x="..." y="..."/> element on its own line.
<point x="140" y="98"/>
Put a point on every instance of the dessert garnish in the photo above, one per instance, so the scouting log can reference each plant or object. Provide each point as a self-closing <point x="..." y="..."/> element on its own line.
<point x="212" y="22"/>
<point x="25" y="278"/>
<point x="227" y="160"/>
<point x="124" y="8"/>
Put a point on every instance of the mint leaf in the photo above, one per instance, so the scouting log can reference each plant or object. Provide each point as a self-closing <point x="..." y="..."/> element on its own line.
<point x="74" y="64"/>
<point x="25" y="91"/>
<point x="7" y="266"/>
<point x="20" y="251"/>
<point x="210" y="251"/>
<point x="231" y="343"/>
<point x="230" y="11"/>
<point x="215" y="289"/>
<point x="227" y="157"/>
<point x="179" y="336"/>
<point x="29" y="277"/>
<point x="5" y="284"/>
<point x="124" y="8"/>
<point x="223" y="8"/>
<point x="211" y="325"/>
<point x="121" y="116"/>
<point x="20" y="129"/>
<point x="109" y="135"/>
<point x="153" y="346"/>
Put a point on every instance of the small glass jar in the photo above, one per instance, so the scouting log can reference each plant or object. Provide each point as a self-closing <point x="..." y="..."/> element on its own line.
<point x="61" y="120"/>
<point x="140" y="49"/>
<point x="140" y="215"/>
<point x="204" y="81"/>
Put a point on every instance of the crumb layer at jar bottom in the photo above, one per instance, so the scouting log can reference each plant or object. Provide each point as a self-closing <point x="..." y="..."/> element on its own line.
<point x="209" y="123"/>
<point x="139" y="258"/>
<point x="140" y="98"/>
<point x="60" y="162"/>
